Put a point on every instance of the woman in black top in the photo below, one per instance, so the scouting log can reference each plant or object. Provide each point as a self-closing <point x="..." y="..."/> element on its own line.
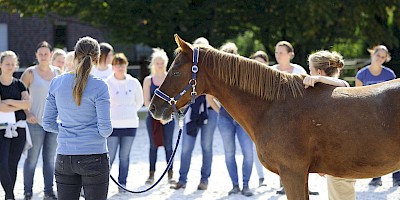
<point x="14" y="98"/>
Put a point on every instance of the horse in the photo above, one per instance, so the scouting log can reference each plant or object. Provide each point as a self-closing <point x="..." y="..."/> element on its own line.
<point x="344" y="132"/>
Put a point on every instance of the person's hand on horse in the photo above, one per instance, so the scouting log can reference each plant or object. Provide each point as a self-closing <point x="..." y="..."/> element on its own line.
<point x="310" y="81"/>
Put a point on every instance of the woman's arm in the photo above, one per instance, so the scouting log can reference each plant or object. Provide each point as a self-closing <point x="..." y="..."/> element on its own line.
<point x="146" y="91"/>
<point x="27" y="77"/>
<point x="312" y="80"/>
<point x="138" y="94"/>
<point x="4" y="107"/>
<point x="50" y="114"/>
<point x="102" y="104"/>
<point x="213" y="104"/>
<point x="24" y="103"/>
<point x="358" y="83"/>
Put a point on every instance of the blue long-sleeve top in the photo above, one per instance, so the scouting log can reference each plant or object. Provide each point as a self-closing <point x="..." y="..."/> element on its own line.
<point x="83" y="129"/>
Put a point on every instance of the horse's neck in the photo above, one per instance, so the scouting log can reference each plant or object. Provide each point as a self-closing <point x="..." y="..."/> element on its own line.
<point x="241" y="105"/>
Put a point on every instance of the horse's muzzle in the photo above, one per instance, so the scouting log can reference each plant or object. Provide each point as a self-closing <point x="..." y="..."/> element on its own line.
<point x="160" y="112"/>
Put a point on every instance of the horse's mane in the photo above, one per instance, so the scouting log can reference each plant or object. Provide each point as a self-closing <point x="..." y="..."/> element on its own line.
<point x="252" y="76"/>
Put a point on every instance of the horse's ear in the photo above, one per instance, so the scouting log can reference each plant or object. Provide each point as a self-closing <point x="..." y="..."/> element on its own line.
<point x="182" y="44"/>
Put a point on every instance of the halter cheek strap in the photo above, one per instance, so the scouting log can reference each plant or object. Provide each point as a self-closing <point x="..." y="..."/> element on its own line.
<point x="192" y="84"/>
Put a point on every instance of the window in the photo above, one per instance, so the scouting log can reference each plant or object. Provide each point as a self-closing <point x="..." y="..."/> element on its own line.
<point x="60" y="36"/>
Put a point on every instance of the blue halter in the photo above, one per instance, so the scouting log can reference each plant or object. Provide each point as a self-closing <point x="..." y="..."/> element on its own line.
<point x="192" y="84"/>
<point x="172" y="102"/>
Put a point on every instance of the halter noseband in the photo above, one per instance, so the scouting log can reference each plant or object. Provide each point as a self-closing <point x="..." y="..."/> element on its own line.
<point x="192" y="84"/>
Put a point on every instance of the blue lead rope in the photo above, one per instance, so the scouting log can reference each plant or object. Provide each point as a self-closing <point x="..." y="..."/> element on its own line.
<point x="179" y="115"/>
<point x="163" y="174"/>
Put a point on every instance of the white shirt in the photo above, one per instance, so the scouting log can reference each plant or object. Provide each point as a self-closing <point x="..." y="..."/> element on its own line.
<point x="104" y="74"/>
<point x="297" y="69"/>
<point x="126" y="98"/>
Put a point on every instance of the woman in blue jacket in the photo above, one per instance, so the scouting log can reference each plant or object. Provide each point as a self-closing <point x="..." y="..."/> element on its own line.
<point x="82" y="103"/>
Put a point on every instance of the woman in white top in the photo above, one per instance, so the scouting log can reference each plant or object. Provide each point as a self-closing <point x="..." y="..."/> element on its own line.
<point x="284" y="53"/>
<point x="58" y="58"/>
<point x="69" y="62"/>
<point x="125" y="100"/>
<point x="104" y="69"/>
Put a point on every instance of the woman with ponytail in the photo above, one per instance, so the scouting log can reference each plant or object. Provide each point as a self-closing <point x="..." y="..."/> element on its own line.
<point x="82" y="104"/>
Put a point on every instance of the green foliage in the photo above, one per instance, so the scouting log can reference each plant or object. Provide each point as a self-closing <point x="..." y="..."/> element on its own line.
<point x="349" y="49"/>
<point x="346" y="26"/>
<point x="247" y="43"/>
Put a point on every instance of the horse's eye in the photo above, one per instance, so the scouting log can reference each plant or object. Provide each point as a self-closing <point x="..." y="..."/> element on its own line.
<point x="177" y="73"/>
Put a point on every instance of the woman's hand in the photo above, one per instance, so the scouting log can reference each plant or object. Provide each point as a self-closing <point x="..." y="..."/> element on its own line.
<point x="310" y="81"/>
<point x="30" y="118"/>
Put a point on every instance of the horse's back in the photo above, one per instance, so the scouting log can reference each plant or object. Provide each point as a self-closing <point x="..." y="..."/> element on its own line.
<point x="359" y="127"/>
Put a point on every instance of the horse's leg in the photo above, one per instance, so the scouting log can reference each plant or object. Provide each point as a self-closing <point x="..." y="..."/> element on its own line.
<point x="295" y="183"/>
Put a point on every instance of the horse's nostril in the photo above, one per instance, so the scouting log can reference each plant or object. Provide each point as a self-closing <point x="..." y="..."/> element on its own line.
<point x="152" y="108"/>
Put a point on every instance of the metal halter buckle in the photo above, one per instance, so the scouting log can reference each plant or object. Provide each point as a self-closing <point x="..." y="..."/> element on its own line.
<point x="172" y="101"/>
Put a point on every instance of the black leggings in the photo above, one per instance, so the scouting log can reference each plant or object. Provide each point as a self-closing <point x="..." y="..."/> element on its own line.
<point x="10" y="153"/>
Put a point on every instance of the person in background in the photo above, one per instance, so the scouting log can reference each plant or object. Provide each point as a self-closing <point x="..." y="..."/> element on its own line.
<point x="82" y="104"/>
<point x="160" y="132"/>
<point x="104" y="69"/>
<point x="201" y="116"/>
<point x="261" y="57"/>
<point x="125" y="94"/>
<point x="284" y="53"/>
<point x="229" y="130"/>
<point x="69" y="62"/>
<point x="325" y="68"/>
<point x="37" y="79"/>
<point x="14" y="98"/>
<point x="373" y="74"/>
<point x="58" y="58"/>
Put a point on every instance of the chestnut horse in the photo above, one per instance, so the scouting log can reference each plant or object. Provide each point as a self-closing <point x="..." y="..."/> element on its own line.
<point x="344" y="132"/>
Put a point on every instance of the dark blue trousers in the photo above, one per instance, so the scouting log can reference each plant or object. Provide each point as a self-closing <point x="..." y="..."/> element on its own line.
<point x="91" y="172"/>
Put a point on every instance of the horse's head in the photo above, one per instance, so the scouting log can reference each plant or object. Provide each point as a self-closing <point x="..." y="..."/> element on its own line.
<point x="182" y="83"/>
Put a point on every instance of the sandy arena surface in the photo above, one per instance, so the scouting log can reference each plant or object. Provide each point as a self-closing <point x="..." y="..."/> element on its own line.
<point x="219" y="182"/>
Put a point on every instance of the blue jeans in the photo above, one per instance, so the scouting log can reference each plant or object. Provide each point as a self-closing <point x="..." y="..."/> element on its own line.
<point x="90" y="171"/>
<point x="125" y="144"/>
<point x="396" y="176"/>
<point x="168" y="133"/>
<point x="207" y="137"/>
<point x="47" y="140"/>
<point x="10" y="153"/>
<point x="229" y="128"/>
<point x="257" y="163"/>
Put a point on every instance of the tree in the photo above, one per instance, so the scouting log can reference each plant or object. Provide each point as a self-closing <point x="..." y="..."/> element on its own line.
<point x="308" y="24"/>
